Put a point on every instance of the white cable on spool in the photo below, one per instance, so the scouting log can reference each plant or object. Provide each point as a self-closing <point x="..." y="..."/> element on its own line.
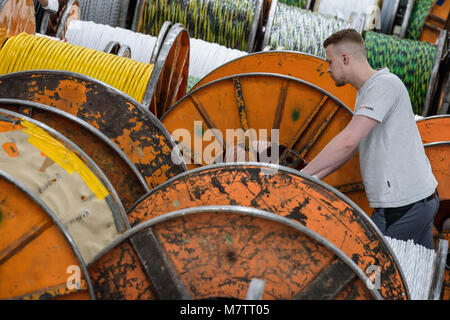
<point x="417" y="263"/>
<point x="96" y="36"/>
<point x="46" y="36"/>
<point x="362" y="14"/>
<point x="206" y="56"/>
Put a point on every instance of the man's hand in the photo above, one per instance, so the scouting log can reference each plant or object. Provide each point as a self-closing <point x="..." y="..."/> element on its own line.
<point x="341" y="148"/>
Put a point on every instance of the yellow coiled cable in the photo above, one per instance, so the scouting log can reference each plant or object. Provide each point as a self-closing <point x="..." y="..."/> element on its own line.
<point x="28" y="52"/>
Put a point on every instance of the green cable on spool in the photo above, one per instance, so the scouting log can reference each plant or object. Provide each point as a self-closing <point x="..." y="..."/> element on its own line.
<point x="226" y="22"/>
<point x="295" y="3"/>
<point x="412" y="61"/>
<point x="302" y="30"/>
<point x="417" y="20"/>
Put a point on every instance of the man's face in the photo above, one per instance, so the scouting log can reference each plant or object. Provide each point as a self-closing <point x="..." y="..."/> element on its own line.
<point x="335" y="65"/>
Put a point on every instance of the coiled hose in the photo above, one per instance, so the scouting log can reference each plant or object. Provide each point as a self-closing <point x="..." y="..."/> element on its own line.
<point x="412" y="61"/>
<point x="301" y="30"/>
<point x="226" y="22"/>
<point x="28" y="52"/>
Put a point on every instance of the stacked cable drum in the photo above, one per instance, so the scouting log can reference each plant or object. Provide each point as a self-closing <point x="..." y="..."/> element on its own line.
<point x="226" y="22"/>
<point x="28" y="52"/>
<point x="412" y="61"/>
<point x="301" y="30"/>
<point x="206" y="57"/>
<point x="97" y="36"/>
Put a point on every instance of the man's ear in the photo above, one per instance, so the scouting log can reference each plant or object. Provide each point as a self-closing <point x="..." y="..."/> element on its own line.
<point x="346" y="59"/>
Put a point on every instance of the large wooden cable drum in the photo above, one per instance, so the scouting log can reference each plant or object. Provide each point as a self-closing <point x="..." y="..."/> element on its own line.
<point x="434" y="129"/>
<point x="295" y="64"/>
<point x="287" y="193"/>
<point x="123" y="120"/>
<point x="231" y="23"/>
<point x="215" y="251"/>
<point x="307" y="117"/>
<point x="65" y="179"/>
<point x="35" y="248"/>
<point x="120" y="171"/>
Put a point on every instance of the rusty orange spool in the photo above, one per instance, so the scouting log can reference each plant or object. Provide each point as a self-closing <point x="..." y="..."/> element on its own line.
<point x="65" y="179"/>
<point x="16" y="16"/>
<point x="295" y="64"/>
<point x="306" y="116"/>
<point x="215" y="251"/>
<point x="438" y="154"/>
<point x="124" y="121"/>
<point x="434" y="129"/>
<point x="35" y="249"/>
<point x="287" y="193"/>
<point x="123" y="175"/>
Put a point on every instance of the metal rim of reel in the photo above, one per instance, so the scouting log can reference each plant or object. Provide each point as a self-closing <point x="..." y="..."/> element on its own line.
<point x="87" y="128"/>
<point x="188" y="178"/>
<point x="244" y="211"/>
<point x="60" y="226"/>
<point x="124" y="51"/>
<point x="90" y="116"/>
<point x="112" y="47"/>
<point x="64" y="17"/>
<point x="439" y="270"/>
<point x="156" y="98"/>
<point x="270" y="19"/>
<point x="256" y="29"/>
<point x="286" y="54"/>
<point x="159" y="41"/>
<point x="433" y="84"/>
<point x="439" y="116"/>
<point x="119" y="214"/>
<point x="137" y="14"/>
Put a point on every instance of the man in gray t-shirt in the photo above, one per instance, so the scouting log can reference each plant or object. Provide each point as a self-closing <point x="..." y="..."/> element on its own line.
<point x="397" y="175"/>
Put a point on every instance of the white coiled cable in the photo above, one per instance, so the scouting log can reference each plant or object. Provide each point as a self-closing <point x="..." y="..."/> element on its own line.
<point x="362" y="14"/>
<point x="97" y="36"/>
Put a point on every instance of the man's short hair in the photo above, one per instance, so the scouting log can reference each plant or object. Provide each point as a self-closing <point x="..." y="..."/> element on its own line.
<point x="345" y="35"/>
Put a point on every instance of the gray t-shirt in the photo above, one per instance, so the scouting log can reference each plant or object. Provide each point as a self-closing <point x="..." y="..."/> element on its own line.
<point x="394" y="166"/>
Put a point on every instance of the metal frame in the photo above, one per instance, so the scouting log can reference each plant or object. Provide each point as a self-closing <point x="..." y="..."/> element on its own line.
<point x="406" y="18"/>
<point x="64" y="18"/>
<point x="85" y="126"/>
<point x="255" y="26"/>
<point x="120" y="217"/>
<point x="245" y="211"/>
<point x="60" y="226"/>
<point x="269" y="24"/>
<point x="432" y="87"/>
<point x="439" y="270"/>
<point x="165" y="28"/>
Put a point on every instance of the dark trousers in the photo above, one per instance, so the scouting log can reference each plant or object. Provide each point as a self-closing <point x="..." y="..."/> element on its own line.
<point x="415" y="223"/>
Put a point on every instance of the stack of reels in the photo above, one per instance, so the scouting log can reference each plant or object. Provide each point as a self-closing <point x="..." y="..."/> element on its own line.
<point x="245" y="229"/>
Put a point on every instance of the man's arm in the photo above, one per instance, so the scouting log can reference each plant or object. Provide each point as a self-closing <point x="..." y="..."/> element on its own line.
<point x="340" y="149"/>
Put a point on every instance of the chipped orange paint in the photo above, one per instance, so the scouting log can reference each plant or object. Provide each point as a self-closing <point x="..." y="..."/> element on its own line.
<point x="436" y="21"/>
<point x="287" y="195"/>
<point x="434" y="129"/>
<point x="149" y="149"/>
<point x="295" y="64"/>
<point x="34" y="255"/>
<point x="304" y="121"/>
<point x="217" y="253"/>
